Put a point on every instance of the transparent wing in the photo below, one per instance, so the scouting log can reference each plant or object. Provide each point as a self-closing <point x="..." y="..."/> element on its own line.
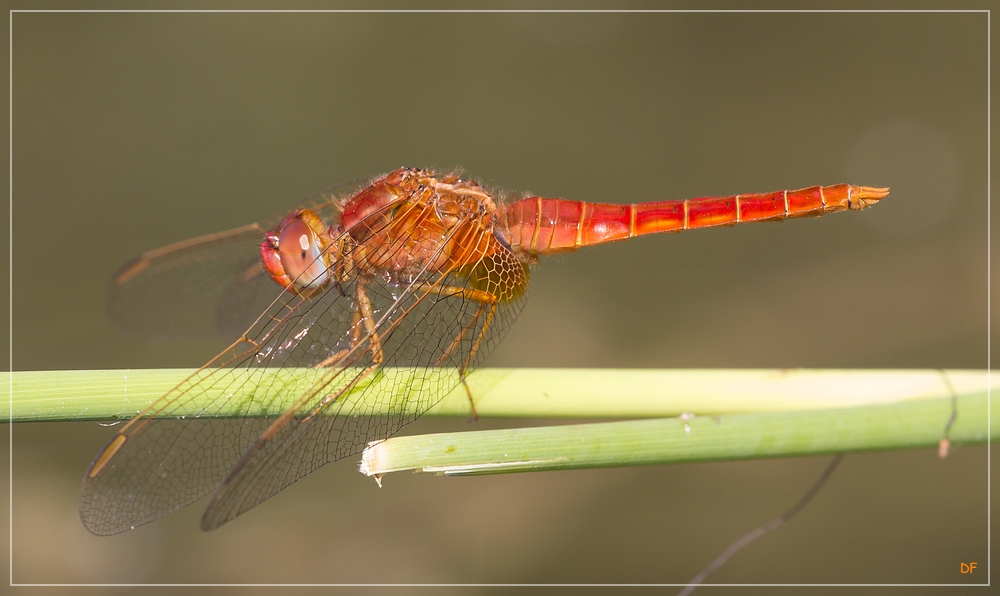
<point x="180" y="290"/>
<point x="430" y="325"/>
<point x="211" y="285"/>
<point x="430" y="319"/>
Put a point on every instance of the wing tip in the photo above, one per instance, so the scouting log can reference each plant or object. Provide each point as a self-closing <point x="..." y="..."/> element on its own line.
<point x="129" y="271"/>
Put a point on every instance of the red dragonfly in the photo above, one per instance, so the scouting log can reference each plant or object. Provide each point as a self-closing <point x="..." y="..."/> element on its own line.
<point x="400" y="277"/>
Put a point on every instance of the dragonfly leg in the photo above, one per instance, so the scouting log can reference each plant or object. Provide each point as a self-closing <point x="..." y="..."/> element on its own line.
<point x="362" y="313"/>
<point x="458" y="338"/>
<point x="485" y="300"/>
<point x="461" y="371"/>
<point x="468" y="394"/>
<point x="369" y="320"/>
<point x="482" y="334"/>
<point x="475" y="348"/>
<point x="479" y="296"/>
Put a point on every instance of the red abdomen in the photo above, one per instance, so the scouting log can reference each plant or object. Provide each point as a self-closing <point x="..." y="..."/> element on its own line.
<point x="541" y="226"/>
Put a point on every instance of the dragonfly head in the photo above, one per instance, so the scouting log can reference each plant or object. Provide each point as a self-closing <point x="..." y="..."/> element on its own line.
<point x="296" y="254"/>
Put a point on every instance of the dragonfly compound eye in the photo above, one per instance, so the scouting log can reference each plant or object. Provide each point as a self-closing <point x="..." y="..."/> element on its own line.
<point x="302" y="257"/>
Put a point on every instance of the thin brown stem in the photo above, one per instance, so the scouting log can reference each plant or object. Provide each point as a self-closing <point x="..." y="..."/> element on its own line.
<point x="761" y="530"/>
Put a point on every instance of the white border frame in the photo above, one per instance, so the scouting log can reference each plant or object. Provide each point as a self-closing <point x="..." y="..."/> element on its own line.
<point x="10" y="314"/>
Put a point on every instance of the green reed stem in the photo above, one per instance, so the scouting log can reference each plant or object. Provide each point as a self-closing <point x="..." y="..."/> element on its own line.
<point x="534" y="393"/>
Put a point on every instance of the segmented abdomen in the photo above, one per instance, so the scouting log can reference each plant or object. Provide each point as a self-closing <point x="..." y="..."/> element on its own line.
<point x="539" y="225"/>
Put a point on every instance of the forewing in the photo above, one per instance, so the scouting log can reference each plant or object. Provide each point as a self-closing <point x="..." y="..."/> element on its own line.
<point x="178" y="450"/>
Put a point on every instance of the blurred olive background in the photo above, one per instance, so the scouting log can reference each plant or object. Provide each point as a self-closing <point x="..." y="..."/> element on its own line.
<point x="131" y="131"/>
